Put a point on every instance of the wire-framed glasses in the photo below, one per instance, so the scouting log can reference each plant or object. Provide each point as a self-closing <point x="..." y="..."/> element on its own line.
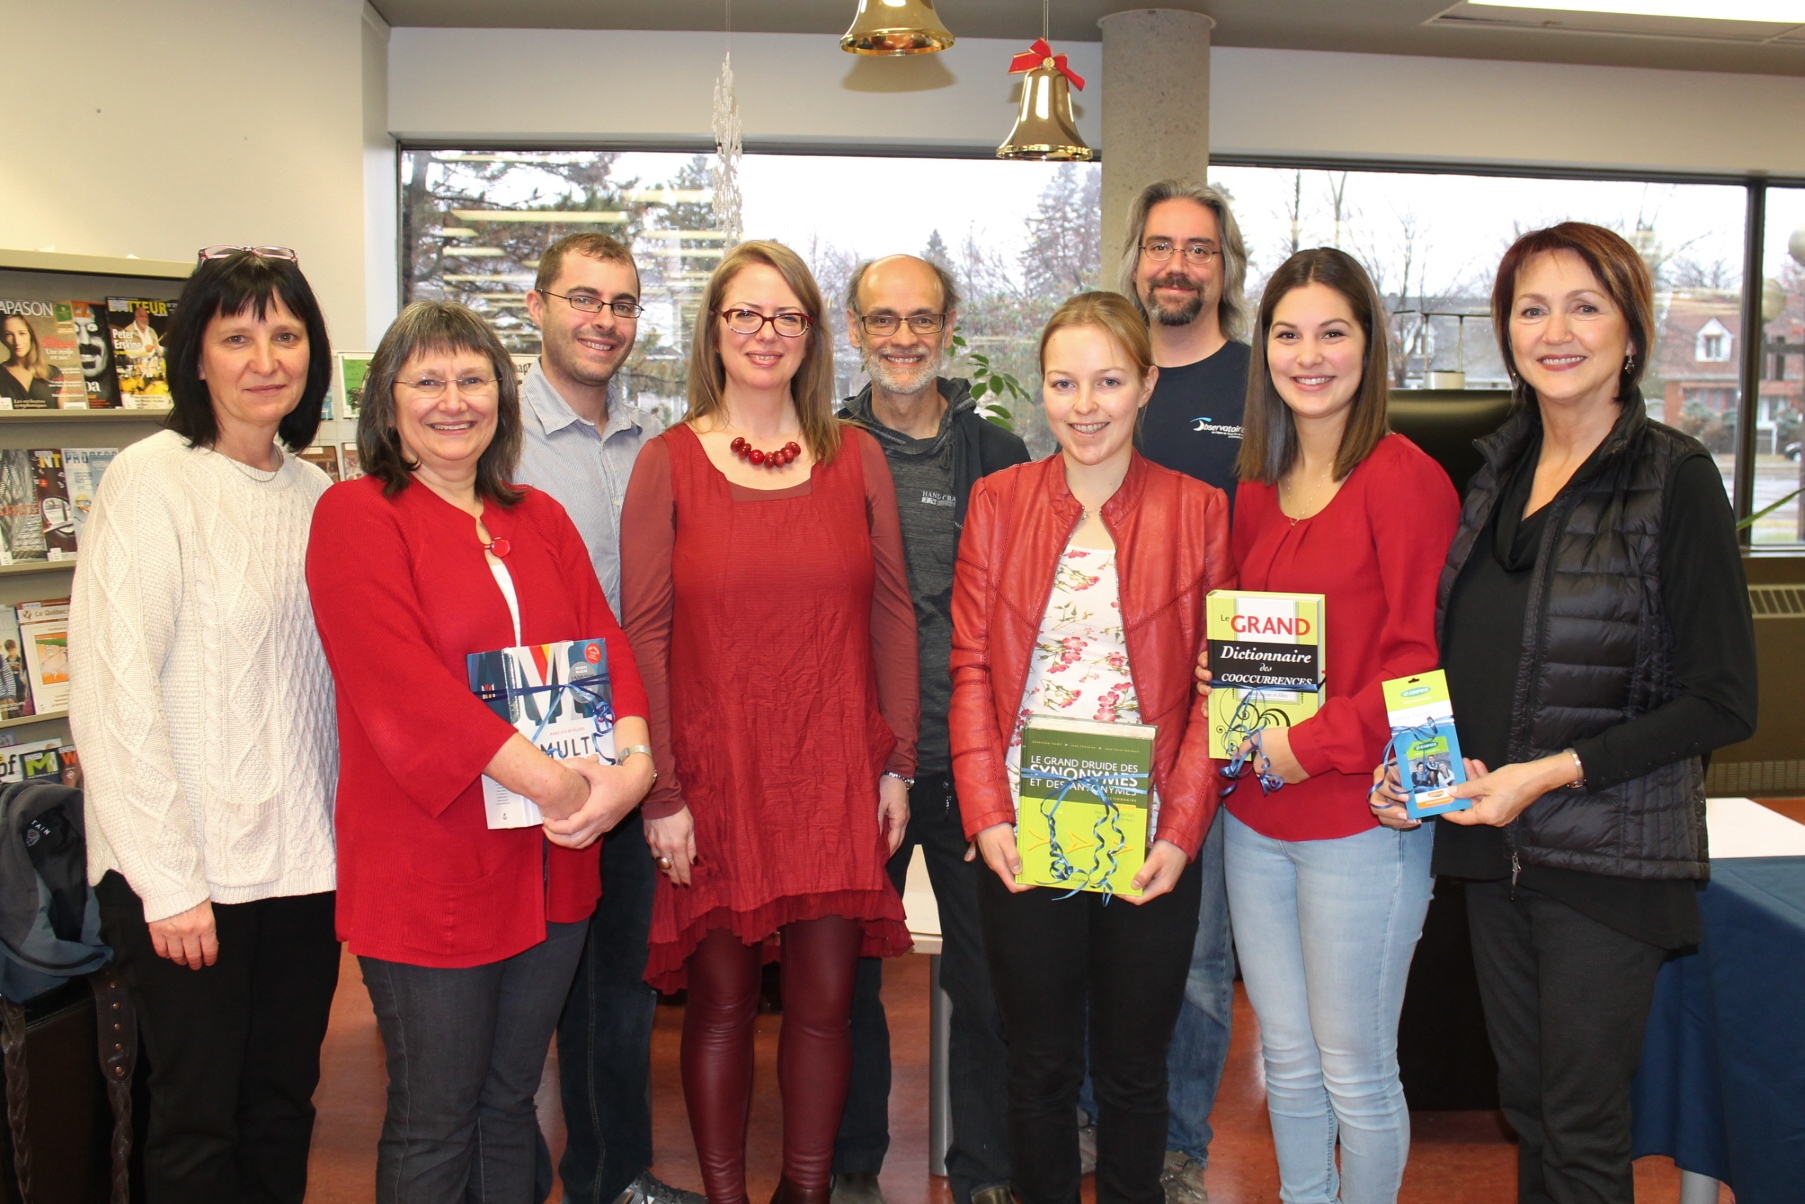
<point x="1161" y="249"/>
<point x="432" y="388"/>
<point x="884" y="325"/>
<point x="585" y="303"/>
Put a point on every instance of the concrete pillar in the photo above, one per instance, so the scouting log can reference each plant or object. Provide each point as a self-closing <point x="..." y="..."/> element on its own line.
<point x="1156" y="111"/>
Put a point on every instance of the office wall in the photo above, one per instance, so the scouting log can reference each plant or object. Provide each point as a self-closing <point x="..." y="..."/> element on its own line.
<point x="153" y="130"/>
<point x="635" y="87"/>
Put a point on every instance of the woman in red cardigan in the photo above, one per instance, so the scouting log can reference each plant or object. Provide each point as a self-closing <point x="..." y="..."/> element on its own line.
<point x="1080" y="593"/>
<point x="763" y="585"/>
<point x="1327" y="904"/>
<point x="468" y="932"/>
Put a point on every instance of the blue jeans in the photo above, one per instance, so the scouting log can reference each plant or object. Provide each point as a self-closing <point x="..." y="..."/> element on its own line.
<point x="1326" y="930"/>
<point x="465" y="1051"/>
<point x="1200" y="1042"/>
<point x="605" y="1035"/>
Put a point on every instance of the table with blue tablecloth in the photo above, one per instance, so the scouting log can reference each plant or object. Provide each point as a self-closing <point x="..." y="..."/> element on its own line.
<point x="1721" y="1089"/>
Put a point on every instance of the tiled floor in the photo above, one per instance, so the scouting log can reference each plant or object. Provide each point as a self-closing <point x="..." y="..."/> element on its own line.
<point x="1456" y="1158"/>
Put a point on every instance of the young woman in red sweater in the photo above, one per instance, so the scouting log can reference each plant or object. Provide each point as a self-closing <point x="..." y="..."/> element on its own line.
<point x="1327" y="903"/>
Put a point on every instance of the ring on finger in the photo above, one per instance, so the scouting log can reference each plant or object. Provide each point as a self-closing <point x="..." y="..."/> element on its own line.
<point x="664" y="863"/>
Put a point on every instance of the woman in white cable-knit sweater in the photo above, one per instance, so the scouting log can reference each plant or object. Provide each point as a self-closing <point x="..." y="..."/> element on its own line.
<point x="202" y="705"/>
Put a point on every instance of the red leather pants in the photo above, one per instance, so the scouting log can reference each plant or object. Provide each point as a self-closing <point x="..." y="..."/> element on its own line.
<point x="814" y="1053"/>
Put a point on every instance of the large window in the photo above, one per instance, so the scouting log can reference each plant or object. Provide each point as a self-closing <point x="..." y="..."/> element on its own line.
<point x="1779" y="468"/>
<point x="1020" y="237"/>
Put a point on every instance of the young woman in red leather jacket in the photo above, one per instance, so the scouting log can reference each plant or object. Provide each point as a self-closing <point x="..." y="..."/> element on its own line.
<point x="1080" y="593"/>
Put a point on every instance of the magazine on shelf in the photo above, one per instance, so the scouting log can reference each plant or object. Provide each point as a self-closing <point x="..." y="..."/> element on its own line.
<point x="348" y="458"/>
<point x="350" y="368"/>
<point x="44" y="631"/>
<point x="1082" y="817"/>
<point x="1266" y="662"/>
<point x="94" y="347"/>
<point x="34" y="759"/>
<point x="15" y="678"/>
<point x="82" y="469"/>
<point x="138" y="326"/>
<point x="21" y="523"/>
<point x="1424" y="743"/>
<point x="557" y="696"/>
<point x="40" y="365"/>
<point x="54" y="510"/>
<point x="71" y="764"/>
<point x="325" y="456"/>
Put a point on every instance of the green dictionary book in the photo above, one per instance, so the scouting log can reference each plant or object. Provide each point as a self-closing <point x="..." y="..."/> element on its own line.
<point x="1266" y="662"/>
<point x="1081" y="823"/>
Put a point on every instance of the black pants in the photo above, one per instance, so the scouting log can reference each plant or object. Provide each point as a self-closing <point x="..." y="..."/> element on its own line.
<point x="976" y="1055"/>
<point x="233" y="1048"/>
<point x="1053" y="962"/>
<point x="605" y="1034"/>
<point x="1566" y="1002"/>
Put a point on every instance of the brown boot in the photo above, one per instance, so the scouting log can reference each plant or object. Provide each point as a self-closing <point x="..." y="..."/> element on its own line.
<point x="789" y="1193"/>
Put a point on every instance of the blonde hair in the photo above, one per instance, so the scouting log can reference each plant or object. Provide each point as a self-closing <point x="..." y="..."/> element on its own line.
<point x="1117" y="317"/>
<point x="811" y="389"/>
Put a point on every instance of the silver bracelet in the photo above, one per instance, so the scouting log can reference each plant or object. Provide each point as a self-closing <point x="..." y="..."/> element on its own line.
<point x="1579" y="782"/>
<point x="891" y="773"/>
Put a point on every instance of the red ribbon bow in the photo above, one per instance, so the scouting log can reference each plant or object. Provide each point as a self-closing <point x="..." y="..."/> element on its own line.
<point x="1039" y="55"/>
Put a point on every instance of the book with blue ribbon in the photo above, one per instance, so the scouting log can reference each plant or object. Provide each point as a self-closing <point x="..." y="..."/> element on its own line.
<point x="1266" y="663"/>
<point x="1082" y="817"/>
<point x="557" y="696"/>
<point x="1424" y="744"/>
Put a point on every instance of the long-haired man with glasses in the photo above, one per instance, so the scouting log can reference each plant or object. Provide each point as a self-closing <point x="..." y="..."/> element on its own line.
<point x="1185" y="269"/>
<point x="900" y="313"/>
<point x="580" y="442"/>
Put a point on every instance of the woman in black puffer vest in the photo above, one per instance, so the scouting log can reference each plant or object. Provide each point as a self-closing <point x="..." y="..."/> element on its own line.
<point x="1594" y="624"/>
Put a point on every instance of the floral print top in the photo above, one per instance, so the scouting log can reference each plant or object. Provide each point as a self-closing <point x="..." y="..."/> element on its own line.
<point x="1080" y="664"/>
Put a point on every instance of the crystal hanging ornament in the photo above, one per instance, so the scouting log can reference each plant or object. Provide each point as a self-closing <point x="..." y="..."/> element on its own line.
<point x="724" y="173"/>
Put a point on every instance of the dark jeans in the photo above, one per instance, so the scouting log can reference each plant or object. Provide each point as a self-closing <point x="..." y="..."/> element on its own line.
<point x="233" y="1049"/>
<point x="976" y="1055"/>
<point x="1566" y="1002"/>
<point x="1053" y="960"/>
<point x="605" y="1035"/>
<point x="466" y="1049"/>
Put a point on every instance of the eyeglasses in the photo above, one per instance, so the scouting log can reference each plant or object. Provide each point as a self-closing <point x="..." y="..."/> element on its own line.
<point x="433" y="388"/>
<point x="789" y="324"/>
<point x="224" y="252"/>
<point x="1160" y="249"/>
<point x="585" y="304"/>
<point x="883" y="325"/>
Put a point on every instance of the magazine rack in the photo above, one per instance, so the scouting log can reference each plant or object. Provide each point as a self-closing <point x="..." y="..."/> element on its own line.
<point x="49" y="276"/>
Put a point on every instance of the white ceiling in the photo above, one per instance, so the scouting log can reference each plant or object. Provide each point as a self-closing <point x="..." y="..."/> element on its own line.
<point x="1366" y="26"/>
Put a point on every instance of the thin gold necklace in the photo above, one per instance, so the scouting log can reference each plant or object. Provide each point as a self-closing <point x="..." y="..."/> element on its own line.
<point x="1314" y="494"/>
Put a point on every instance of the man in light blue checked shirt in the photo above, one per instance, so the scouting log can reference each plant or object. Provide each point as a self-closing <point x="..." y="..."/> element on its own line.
<point x="579" y="446"/>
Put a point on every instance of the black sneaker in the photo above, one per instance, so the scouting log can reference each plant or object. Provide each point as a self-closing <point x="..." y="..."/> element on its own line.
<point x="649" y="1189"/>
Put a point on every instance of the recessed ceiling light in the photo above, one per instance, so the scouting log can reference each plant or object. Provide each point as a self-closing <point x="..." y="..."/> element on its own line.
<point x="1786" y="12"/>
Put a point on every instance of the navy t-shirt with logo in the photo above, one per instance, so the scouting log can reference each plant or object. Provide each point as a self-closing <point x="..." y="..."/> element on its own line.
<point x="1193" y="422"/>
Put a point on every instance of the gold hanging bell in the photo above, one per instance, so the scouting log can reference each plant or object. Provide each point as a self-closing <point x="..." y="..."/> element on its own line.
<point x="1045" y="128"/>
<point x="896" y="27"/>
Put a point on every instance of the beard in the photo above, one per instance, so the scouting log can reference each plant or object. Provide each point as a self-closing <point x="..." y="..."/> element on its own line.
<point x="908" y="384"/>
<point x="1182" y="314"/>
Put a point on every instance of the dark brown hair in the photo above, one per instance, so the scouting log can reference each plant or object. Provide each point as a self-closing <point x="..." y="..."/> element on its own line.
<point x="423" y="328"/>
<point x="591" y="243"/>
<point x="1620" y="272"/>
<point x="812" y="388"/>
<point x="1269" y="432"/>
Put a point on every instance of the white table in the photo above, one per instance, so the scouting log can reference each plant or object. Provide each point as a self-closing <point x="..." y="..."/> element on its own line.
<point x="923" y="916"/>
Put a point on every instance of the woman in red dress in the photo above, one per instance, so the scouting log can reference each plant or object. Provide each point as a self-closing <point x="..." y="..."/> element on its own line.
<point x="765" y="596"/>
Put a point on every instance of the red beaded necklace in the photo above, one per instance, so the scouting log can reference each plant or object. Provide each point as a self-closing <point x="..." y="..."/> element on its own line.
<point x="770" y="459"/>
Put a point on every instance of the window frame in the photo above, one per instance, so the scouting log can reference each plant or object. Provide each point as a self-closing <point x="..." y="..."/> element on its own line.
<point x="1755" y="187"/>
